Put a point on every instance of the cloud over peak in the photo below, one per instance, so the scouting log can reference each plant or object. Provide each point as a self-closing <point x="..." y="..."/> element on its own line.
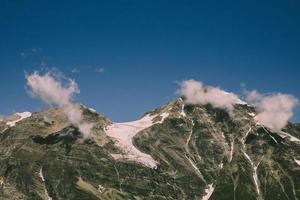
<point x="195" y="92"/>
<point x="275" y="110"/>
<point x="49" y="88"/>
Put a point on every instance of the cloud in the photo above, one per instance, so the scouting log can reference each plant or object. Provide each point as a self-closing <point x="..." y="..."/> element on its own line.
<point x="100" y="70"/>
<point x="30" y="52"/>
<point x="49" y="88"/>
<point x="75" y="70"/>
<point x="195" y="92"/>
<point x="275" y="110"/>
<point x="253" y="96"/>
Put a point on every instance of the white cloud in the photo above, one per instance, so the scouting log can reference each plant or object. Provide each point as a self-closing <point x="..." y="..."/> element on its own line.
<point x="196" y="92"/>
<point x="253" y="96"/>
<point x="275" y="110"/>
<point x="50" y="88"/>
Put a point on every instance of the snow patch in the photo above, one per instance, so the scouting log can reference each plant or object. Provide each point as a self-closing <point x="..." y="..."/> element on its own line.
<point x="297" y="161"/>
<point x="269" y="134"/>
<point x="255" y="178"/>
<point x="292" y="138"/>
<point x="41" y="175"/>
<point x="1" y="182"/>
<point x="164" y="116"/>
<point x="4" y="130"/>
<point x="43" y="179"/>
<point x="199" y="174"/>
<point x="92" y="110"/>
<point x="252" y="114"/>
<point x="182" y="113"/>
<point x="239" y="101"/>
<point x="247" y="133"/>
<point x="222" y="134"/>
<point x="221" y="165"/>
<point x="231" y="151"/>
<point x="123" y="133"/>
<point x="208" y="192"/>
<point x="189" y="138"/>
<point x="273" y="139"/>
<point x="22" y="116"/>
<point x="101" y="189"/>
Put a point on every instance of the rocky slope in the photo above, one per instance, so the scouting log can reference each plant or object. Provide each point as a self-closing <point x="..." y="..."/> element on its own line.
<point x="177" y="151"/>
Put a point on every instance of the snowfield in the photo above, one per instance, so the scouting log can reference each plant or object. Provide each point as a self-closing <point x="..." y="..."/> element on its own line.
<point x="22" y="116"/>
<point x="123" y="133"/>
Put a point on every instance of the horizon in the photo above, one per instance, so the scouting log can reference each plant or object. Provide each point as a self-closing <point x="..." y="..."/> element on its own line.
<point x="129" y="57"/>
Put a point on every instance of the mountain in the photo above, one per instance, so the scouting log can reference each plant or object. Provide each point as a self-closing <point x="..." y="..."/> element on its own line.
<point x="177" y="151"/>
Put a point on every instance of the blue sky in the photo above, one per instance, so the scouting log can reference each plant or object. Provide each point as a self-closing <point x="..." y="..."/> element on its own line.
<point x="129" y="55"/>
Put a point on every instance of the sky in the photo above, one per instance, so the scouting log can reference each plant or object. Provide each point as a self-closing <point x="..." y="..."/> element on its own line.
<point x="128" y="57"/>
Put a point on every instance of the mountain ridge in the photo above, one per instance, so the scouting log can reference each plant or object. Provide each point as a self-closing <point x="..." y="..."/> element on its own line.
<point x="200" y="152"/>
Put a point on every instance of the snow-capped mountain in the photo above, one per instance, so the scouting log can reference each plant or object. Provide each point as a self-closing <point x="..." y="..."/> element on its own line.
<point x="177" y="151"/>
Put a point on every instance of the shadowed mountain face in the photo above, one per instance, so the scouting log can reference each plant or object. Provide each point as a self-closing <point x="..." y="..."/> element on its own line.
<point x="199" y="152"/>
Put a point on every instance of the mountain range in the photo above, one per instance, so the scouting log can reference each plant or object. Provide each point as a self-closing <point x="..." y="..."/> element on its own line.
<point x="177" y="151"/>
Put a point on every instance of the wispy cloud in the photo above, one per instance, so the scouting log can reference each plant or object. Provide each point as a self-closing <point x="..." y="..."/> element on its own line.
<point x="75" y="70"/>
<point x="100" y="70"/>
<point x="49" y="88"/>
<point x="30" y="52"/>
